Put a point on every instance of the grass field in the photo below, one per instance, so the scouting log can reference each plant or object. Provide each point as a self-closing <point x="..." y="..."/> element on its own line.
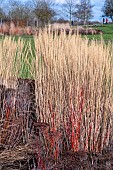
<point x="107" y="32"/>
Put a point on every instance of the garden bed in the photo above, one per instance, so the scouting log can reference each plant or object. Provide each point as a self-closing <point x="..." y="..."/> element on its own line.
<point x="24" y="152"/>
<point x="65" y="113"/>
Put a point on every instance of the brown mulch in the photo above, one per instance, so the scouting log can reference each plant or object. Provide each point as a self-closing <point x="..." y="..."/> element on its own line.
<point x="16" y="157"/>
<point x="87" y="160"/>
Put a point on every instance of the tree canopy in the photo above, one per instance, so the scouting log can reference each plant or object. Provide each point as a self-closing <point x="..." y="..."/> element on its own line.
<point x="44" y="10"/>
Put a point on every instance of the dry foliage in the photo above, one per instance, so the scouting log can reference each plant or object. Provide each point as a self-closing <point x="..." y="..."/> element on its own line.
<point x="10" y="60"/>
<point x="16" y="106"/>
<point x="74" y="85"/>
<point x="73" y="89"/>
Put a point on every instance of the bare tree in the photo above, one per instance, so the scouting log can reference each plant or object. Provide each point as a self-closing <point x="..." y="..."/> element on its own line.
<point x="19" y="10"/>
<point x="2" y="12"/>
<point x="44" y="10"/>
<point x="69" y="7"/>
<point x="84" y="10"/>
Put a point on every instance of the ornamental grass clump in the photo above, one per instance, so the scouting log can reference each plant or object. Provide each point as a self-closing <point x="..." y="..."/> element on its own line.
<point x="73" y="86"/>
<point x="66" y="104"/>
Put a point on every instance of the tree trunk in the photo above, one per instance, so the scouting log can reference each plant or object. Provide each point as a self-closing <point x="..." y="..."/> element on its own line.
<point x="70" y="18"/>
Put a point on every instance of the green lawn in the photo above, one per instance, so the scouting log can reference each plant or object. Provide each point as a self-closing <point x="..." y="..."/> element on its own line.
<point x="107" y="32"/>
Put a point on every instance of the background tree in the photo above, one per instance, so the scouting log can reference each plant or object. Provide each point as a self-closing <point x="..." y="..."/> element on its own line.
<point x="84" y="10"/>
<point x="108" y="9"/>
<point x="2" y="12"/>
<point x="69" y="7"/>
<point x="44" y="10"/>
<point x="19" y="11"/>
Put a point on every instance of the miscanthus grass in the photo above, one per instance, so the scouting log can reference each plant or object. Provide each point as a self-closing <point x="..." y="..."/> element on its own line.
<point x="74" y="86"/>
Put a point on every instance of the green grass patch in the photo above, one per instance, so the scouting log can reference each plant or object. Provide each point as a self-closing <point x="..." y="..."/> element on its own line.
<point x="107" y="32"/>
